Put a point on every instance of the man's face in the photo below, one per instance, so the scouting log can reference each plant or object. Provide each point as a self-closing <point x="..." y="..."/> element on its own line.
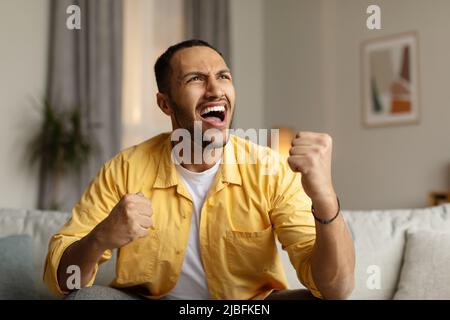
<point x="201" y="89"/>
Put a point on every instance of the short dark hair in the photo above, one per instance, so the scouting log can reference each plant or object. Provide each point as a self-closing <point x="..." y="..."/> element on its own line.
<point x="162" y="65"/>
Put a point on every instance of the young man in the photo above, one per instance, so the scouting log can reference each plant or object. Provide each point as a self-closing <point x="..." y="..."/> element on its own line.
<point x="207" y="229"/>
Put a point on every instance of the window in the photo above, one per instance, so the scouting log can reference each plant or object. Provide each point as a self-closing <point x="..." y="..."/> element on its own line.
<point x="150" y="26"/>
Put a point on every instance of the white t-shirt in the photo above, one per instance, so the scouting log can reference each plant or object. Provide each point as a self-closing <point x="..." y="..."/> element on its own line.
<point x="192" y="281"/>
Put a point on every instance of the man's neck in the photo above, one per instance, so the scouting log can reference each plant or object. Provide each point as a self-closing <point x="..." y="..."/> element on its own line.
<point x="204" y="164"/>
<point x="197" y="167"/>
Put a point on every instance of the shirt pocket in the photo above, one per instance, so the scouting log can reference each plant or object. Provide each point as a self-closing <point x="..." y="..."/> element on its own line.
<point x="136" y="260"/>
<point x="250" y="254"/>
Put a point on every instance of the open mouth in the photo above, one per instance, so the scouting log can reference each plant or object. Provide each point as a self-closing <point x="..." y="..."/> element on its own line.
<point x="215" y="113"/>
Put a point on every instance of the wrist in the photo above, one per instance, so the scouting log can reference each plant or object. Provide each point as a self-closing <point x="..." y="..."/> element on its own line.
<point x="325" y="208"/>
<point x="328" y="195"/>
<point x="96" y="240"/>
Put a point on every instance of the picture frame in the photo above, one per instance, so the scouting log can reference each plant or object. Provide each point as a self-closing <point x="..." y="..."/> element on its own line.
<point x="390" y="80"/>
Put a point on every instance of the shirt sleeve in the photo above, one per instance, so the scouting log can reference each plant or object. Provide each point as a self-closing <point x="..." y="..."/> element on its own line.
<point x="294" y="223"/>
<point x="102" y="194"/>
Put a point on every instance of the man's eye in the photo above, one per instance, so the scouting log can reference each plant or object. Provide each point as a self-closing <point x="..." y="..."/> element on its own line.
<point x="224" y="76"/>
<point x="196" y="78"/>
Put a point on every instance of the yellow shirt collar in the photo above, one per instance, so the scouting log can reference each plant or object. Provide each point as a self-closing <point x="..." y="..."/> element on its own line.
<point x="167" y="175"/>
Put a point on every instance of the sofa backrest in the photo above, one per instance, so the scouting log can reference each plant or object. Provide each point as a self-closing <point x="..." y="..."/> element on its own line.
<point x="379" y="239"/>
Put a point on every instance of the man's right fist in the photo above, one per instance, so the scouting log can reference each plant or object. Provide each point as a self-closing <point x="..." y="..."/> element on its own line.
<point x="129" y="220"/>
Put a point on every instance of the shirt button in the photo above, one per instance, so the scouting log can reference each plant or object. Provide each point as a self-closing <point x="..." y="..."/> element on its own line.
<point x="178" y="251"/>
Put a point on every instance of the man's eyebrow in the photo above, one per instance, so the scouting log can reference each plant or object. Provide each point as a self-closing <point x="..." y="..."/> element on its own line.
<point x="224" y="71"/>
<point x="199" y="73"/>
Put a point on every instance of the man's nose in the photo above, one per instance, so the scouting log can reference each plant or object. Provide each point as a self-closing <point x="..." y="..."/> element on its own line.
<point x="214" y="89"/>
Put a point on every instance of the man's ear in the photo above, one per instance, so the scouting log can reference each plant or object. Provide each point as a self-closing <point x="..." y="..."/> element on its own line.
<point x="163" y="103"/>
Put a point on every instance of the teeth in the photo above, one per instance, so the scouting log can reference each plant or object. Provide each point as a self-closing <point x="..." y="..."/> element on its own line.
<point x="215" y="108"/>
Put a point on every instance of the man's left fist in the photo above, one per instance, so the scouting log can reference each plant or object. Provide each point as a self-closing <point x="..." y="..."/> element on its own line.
<point x="310" y="155"/>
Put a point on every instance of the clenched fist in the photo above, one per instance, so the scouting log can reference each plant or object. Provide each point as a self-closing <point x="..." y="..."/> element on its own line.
<point x="310" y="155"/>
<point x="129" y="220"/>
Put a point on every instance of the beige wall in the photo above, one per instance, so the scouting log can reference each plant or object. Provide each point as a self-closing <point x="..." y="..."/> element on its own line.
<point x="292" y="63"/>
<point x="23" y="47"/>
<point x="312" y="53"/>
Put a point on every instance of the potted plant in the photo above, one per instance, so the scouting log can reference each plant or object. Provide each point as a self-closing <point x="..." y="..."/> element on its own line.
<point x="59" y="147"/>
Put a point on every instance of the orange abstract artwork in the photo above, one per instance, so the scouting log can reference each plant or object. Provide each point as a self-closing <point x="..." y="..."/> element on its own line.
<point x="390" y="80"/>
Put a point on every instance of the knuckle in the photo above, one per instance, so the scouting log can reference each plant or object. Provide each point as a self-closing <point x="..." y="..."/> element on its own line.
<point x="127" y="197"/>
<point x="326" y="139"/>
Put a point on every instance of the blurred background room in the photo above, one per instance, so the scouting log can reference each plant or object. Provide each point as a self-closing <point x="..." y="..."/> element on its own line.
<point x="71" y="99"/>
<point x="77" y="86"/>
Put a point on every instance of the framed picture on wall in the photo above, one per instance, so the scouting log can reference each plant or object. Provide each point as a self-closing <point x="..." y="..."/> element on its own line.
<point x="390" y="80"/>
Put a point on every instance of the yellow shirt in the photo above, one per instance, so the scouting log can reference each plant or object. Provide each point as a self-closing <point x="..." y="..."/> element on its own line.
<point x="246" y="209"/>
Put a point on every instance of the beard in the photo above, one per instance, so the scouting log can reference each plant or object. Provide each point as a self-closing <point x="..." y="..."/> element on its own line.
<point x="214" y="138"/>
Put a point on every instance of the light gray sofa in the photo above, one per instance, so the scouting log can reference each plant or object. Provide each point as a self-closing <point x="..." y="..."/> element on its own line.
<point x="380" y="240"/>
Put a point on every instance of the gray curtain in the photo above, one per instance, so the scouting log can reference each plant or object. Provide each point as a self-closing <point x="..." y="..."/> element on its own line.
<point x="85" y="71"/>
<point x="209" y="20"/>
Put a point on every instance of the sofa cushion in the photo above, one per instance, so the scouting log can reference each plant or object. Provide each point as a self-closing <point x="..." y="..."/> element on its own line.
<point x="41" y="225"/>
<point x="16" y="268"/>
<point x="426" y="264"/>
<point x="379" y="238"/>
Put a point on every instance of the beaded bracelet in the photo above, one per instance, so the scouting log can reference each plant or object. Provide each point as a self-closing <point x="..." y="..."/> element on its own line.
<point x="322" y="221"/>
